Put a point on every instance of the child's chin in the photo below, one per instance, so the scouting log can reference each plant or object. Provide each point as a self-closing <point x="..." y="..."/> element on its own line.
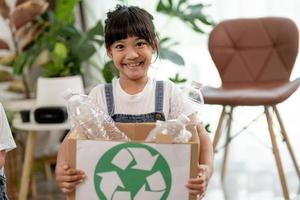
<point x="136" y="76"/>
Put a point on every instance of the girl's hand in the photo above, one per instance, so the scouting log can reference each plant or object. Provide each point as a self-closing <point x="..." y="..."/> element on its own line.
<point x="67" y="178"/>
<point x="198" y="185"/>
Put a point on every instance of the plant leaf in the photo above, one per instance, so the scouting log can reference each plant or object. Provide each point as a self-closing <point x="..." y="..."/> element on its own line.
<point x="170" y="55"/>
<point x="19" y="63"/>
<point x="186" y="12"/>
<point x="98" y="29"/>
<point x="64" y="10"/>
<point x="109" y="71"/>
<point x="177" y="79"/>
<point x="180" y="3"/>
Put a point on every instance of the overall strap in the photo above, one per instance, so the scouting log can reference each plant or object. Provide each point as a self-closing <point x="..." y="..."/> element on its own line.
<point x="109" y="98"/>
<point x="159" y="96"/>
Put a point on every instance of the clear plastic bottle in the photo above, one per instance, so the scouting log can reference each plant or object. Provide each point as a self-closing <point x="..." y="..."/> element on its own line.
<point x="175" y="128"/>
<point x="94" y="122"/>
<point x="193" y="96"/>
<point x="194" y="93"/>
<point x="190" y="95"/>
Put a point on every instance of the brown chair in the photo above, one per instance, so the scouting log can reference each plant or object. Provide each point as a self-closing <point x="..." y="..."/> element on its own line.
<point x="254" y="58"/>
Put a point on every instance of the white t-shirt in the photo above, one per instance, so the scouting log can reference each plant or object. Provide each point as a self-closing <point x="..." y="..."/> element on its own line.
<point x="144" y="101"/>
<point x="7" y="142"/>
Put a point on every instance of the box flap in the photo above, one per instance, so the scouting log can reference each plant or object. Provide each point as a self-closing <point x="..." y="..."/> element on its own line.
<point x="136" y="131"/>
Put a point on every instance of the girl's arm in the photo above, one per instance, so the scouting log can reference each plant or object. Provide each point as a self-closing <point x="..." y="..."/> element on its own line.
<point x="66" y="177"/>
<point x="198" y="185"/>
<point x="206" y="155"/>
<point x="2" y="158"/>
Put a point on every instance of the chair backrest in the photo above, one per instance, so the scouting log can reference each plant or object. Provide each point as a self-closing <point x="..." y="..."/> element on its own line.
<point x="254" y="51"/>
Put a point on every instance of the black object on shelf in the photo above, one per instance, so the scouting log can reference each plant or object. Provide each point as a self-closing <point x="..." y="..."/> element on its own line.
<point x="25" y="115"/>
<point x="50" y="114"/>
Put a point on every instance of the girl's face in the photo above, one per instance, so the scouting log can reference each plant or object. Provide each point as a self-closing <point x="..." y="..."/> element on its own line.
<point x="132" y="57"/>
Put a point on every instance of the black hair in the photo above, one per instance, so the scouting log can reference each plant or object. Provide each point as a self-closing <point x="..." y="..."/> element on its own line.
<point x="129" y="21"/>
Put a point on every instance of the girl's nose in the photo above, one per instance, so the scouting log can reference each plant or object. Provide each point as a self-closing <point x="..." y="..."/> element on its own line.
<point x="131" y="54"/>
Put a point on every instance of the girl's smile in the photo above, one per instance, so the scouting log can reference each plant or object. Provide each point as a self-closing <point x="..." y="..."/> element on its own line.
<point x="133" y="65"/>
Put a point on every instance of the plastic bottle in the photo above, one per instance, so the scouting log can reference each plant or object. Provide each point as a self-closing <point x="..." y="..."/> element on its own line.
<point x="94" y="122"/>
<point x="175" y="128"/>
<point x="194" y="95"/>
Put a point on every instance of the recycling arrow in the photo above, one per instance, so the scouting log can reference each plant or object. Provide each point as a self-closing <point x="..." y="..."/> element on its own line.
<point x="109" y="183"/>
<point x="156" y="182"/>
<point x="144" y="159"/>
<point x="124" y="195"/>
<point x="143" y="194"/>
<point x="122" y="159"/>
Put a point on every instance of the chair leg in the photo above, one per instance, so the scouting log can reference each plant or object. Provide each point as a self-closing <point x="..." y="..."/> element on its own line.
<point x="277" y="155"/>
<point x="224" y="163"/>
<point x="285" y="136"/>
<point x="218" y="131"/>
<point x="47" y="168"/>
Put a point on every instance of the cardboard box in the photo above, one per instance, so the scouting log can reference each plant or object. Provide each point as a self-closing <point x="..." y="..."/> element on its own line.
<point x="133" y="170"/>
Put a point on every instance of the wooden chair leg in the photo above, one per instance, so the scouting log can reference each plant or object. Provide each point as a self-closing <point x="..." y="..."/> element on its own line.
<point x="277" y="155"/>
<point x="33" y="188"/>
<point x="47" y="168"/>
<point x="218" y="131"/>
<point x="286" y="139"/>
<point x="224" y="163"/>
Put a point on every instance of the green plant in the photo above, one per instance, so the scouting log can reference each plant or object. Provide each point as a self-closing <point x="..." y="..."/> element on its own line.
<point x="61" y="48"/>
<point x="177" y="79"/>
<point x="190" y="14"/>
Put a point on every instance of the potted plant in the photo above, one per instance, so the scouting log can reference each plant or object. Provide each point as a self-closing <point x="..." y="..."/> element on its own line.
<point x="20" y="24"/>
<point x="60" y="50"/>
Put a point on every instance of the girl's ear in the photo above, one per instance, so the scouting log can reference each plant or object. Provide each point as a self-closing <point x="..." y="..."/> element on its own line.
<point x="155" y="47"/>
<point x="109" y="53"/>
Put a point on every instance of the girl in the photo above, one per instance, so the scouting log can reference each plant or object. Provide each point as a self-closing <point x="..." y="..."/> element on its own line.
<point x="7" y="143"/>
<point x="130" y="42"/>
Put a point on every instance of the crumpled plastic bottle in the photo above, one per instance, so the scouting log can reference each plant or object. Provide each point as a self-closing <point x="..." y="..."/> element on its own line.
<point x="93" y="121"/>
<point x="194" y="96"/>
<point x="175" y="128"/>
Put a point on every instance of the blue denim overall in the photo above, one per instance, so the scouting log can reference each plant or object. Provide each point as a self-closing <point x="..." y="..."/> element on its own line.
<point x="3" y="195"/>
<point x="148" y="117"/>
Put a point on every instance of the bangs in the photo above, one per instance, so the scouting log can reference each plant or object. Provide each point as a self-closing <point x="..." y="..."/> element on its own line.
<point x="124" y="28"/>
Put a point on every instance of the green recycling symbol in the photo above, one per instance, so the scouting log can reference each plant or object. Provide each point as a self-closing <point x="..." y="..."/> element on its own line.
<point x="132" y="171"/>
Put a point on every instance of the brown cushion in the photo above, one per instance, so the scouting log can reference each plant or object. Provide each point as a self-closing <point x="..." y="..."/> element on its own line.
<point x="254" y="50"/>
<point x="251" y="95"/>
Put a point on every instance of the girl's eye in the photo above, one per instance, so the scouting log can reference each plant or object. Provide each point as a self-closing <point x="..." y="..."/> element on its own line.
<point x="141" y="43"/>
<point x="119" y="46"/>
